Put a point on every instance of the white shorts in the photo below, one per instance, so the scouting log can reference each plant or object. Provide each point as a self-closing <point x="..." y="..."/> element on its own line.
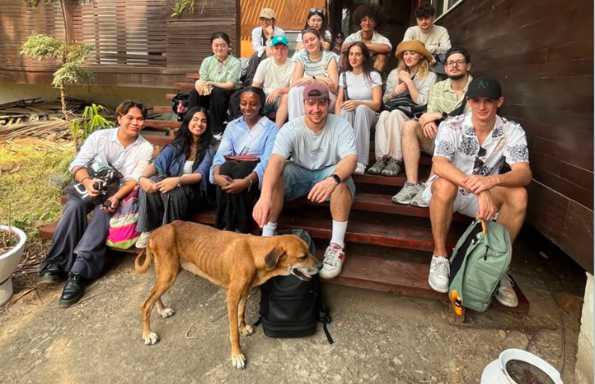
<point x="466" y="203"/>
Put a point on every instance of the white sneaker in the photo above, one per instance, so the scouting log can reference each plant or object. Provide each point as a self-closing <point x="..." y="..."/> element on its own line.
<point x="334" y="256"/>
<point x="360" y="169"/>
<point x="505" y="293"/>
<point x="419" y="199"/>
<point x="407" y="193"/>
<point x="142" y="240"/>
<point x="439" y="272"/>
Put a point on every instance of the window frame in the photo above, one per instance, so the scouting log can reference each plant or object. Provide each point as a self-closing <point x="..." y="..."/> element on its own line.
<point x="440" y="13"/>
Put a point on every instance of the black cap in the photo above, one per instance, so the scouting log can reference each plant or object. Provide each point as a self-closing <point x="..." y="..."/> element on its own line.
<point x="484" y="87"/>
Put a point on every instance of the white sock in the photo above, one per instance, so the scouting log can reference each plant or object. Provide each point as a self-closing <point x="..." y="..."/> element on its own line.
<point x="338" y="236"/>
<point x="269" y="229"/>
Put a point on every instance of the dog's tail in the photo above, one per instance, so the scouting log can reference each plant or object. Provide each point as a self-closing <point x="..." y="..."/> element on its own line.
<point x="140" y="265"/>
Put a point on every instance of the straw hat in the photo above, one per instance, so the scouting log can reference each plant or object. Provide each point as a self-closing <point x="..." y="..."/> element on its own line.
<point x="415" y="46"/>
<point x="267" y="13"/>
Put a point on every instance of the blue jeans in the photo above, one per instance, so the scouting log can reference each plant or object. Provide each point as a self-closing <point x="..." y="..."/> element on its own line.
<point x="298" y="181"/>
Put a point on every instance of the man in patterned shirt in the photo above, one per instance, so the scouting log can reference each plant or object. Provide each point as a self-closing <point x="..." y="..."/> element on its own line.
<point x="470" y="152"/>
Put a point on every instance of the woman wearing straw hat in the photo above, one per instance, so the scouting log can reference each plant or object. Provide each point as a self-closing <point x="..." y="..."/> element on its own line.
<point x="411" y="77"/>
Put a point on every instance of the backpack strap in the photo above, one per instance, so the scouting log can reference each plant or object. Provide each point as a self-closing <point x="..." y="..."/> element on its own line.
<point x="344" y="76"/>
<point x="325" y="318"/>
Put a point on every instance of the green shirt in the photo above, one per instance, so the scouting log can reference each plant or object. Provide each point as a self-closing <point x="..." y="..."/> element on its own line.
<point x="214" y="70"/>
<point x="443" y="99"/>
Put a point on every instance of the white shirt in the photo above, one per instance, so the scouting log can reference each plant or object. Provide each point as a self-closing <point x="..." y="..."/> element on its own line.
<point x="258" y="43"/>
<point x="457" y="141"/>
<point x="187" y="167"/>
<point x="103" y="146"/>
<point x="359" y="87"/>
<point x="436" y="39"/>
<point x="377" y="38"/>
<point x="272" y="76"/>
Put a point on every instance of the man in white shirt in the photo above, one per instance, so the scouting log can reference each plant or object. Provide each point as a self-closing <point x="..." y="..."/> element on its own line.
<point x="471" y="150"/>
<point x="78" y="248"/>
<point x="368" y="19"/>
<point x="273" y="75"/>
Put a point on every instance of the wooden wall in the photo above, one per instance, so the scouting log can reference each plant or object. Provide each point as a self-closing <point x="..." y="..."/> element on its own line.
<point x="542" y="52"/>
<point x="136" y="42"/>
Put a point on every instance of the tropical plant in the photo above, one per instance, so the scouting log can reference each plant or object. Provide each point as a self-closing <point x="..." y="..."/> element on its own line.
<point x="71" y="56"/>
<point x="91" y="120"/>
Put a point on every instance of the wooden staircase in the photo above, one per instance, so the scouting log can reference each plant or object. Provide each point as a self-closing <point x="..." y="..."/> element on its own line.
<point x="388" y="245"/>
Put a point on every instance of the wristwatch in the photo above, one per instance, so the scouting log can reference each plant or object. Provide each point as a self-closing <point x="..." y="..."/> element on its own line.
<point x="336" y="178"/>
<point x="444" y="115"/>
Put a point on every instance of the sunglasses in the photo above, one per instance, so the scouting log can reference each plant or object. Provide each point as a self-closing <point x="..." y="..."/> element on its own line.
<point x="478" y="164"/>
<point x="313" y="11"/>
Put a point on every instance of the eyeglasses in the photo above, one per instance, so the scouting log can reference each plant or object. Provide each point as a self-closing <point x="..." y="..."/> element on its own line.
<point x="457" y="62"/>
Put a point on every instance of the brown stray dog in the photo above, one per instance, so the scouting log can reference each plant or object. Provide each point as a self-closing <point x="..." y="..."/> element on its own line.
<point x="234" y="261"/>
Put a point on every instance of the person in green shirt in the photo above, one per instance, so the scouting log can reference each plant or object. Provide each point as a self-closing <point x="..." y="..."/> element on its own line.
<point x="219" y="76"/>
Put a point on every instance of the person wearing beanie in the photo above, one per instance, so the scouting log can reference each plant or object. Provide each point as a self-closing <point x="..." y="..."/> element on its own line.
<point x="313" y="156"/>
<point x="481" y="168"/>
<point x="411" y="77"/>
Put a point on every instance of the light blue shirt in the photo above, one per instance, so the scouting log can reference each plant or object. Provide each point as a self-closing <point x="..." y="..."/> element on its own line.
<point x="239" y="139"/>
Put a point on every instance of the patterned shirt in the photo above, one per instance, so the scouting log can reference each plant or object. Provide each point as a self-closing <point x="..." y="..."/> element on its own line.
<point x="443" y="99"/>
<point x="457" y="141"/>
<point x="211" y="69"/>
<point x="103" y="146"/>
<point x="314" y="68"/>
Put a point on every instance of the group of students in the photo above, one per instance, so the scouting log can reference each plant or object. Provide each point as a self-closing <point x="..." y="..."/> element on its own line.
<point x="256" y="164"/>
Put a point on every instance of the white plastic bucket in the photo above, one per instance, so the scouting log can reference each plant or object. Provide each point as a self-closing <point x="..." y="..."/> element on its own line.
<point x="495" y="372"/>
<point x="8" y="263"/>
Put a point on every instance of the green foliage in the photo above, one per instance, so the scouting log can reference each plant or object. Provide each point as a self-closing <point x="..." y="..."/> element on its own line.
<point x="187" y="6"/>
<point x="71" y="74"/>
<point x="90" y="121"/>
<point x="43" y="47"/>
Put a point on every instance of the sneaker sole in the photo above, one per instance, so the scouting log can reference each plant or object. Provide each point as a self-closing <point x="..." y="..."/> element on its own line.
<point x="437" y="289"/>
<point x="406" y="202"/>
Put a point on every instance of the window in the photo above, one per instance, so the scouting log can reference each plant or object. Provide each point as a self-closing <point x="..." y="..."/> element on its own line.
<point x="444" y="6"/>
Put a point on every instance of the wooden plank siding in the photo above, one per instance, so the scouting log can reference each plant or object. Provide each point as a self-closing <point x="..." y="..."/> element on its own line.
<point x="542" y="52"/>
<point x="136" y="42"/>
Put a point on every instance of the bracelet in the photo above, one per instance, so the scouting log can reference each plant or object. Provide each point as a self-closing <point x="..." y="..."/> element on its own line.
<point x="179" y="182"/>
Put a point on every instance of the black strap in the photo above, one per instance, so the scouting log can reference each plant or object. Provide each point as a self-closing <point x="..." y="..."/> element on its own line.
<point x="257" y="322"/>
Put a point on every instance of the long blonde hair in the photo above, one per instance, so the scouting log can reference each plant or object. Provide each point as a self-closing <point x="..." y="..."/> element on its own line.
<point x="423" y="67"/>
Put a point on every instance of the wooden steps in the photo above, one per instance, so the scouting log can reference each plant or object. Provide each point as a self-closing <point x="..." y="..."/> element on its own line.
<point x="388" y="245"/>
<point x="185" y="86"/>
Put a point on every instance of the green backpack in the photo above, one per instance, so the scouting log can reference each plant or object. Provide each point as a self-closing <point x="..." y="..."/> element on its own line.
<point x="478" y="263"/>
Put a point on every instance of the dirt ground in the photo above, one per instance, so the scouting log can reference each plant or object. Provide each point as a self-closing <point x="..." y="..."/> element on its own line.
<point x="380" y="338"/>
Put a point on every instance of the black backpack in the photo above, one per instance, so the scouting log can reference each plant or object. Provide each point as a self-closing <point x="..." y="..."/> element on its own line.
<point x="291" y="307"/>
<point x="179" y="104"/>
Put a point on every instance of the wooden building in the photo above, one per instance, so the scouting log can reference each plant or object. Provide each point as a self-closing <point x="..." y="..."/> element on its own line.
<point x="541" y="50"/>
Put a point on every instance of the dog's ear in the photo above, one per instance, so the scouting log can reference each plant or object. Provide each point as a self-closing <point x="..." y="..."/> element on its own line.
<point x="272" y="258"/>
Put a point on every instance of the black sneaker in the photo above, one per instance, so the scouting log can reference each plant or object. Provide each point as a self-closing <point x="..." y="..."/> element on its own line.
<point x="74" y="289"/>
<point x="51" y="274"/>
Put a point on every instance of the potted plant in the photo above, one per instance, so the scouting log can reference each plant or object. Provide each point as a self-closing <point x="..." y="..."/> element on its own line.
<point x="12" y="243"/>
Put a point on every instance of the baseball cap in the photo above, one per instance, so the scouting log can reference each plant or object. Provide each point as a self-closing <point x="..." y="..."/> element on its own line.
<point x="279" y="39"/>
<point x="316" y="89"/>
<point x="484" y="87"/>
<point x="267" y="13"/>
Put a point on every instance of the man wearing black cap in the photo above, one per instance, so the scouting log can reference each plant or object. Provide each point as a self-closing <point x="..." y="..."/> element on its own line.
<point x="471" y="150"/>
<point x="314" y="156"/>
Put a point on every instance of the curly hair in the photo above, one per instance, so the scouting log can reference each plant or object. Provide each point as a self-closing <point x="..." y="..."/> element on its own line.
<point x="370" y="11"/>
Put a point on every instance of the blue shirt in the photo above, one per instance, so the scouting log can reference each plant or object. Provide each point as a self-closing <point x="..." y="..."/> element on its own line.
<point x="239" y="139"/>
<point x="170" y="163"/>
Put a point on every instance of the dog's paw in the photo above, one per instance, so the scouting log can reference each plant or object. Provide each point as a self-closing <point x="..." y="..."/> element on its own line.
<point x="246" y="330"/>
<point x="151" y="338"/>
<point x="238" y="361"/>
<point x="167" y="312"/>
